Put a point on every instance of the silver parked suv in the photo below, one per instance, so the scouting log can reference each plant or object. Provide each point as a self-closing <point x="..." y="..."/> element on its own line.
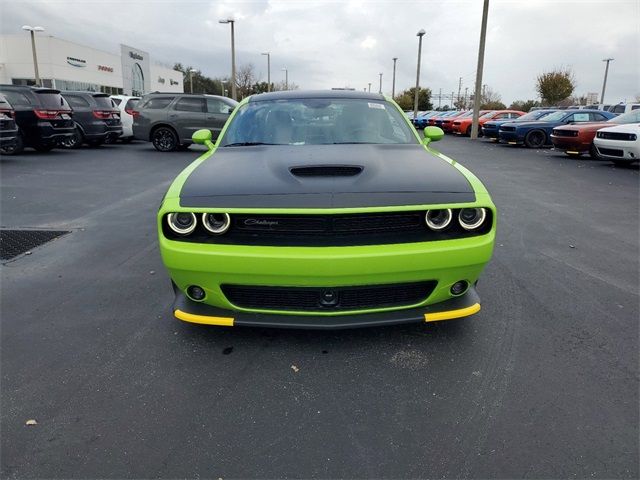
<point x="169" y="119"/>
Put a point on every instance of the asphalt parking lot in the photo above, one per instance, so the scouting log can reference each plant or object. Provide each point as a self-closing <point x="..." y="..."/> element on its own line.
<point x="543" y="382"/>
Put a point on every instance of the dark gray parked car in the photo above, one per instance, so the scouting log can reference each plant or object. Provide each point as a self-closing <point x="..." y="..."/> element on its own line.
<point x="97" y="118"/>
<point x="169" y="119"/>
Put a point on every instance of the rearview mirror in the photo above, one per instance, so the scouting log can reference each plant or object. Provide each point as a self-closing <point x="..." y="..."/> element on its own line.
<point x="203" y="137"/>
<point x="432" y="134"/>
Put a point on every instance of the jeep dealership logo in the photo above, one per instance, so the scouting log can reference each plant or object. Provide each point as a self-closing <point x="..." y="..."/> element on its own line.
<point x="161" y="80"/>
<point x="173" y="82"/>
<point x="135" y="56"/>
<point x="76" y="62"/>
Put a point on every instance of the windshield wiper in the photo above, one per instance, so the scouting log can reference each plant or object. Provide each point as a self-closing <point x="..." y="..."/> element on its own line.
<point x="249" y="144"/>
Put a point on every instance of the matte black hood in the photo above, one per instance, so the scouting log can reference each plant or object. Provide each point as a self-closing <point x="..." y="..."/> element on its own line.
<point x="261" y="177"/>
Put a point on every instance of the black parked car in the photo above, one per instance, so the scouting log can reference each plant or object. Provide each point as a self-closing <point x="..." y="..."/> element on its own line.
<point x="43" y="117"/>
<point x="170" y="119"/>
<point x="8" y="127"/>
<point x="96" y="117"/>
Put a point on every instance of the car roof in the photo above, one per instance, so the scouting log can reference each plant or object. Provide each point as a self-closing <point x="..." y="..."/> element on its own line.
<point x="300" y="94"/>
<point x="83" y="92"/>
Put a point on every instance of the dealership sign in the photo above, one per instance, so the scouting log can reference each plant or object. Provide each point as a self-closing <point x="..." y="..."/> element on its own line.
<point x="161" y="80"/>
<point x="173" y="82"/>
<point x="135" y="56"/>
<point x="76" y="62"/>
<point x="104" y="68"/>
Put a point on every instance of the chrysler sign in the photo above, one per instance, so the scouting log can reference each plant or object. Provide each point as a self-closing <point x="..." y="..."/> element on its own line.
<point x="76" y="62"/>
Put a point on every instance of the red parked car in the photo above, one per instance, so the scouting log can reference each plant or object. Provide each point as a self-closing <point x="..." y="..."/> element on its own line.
<point x="447" y="122"/>
<point x="462" y="126"/>
<point x="574" y="140"/>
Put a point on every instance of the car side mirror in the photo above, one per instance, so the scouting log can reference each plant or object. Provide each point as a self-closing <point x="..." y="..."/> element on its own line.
<point x="203" y="137"/>
<point x="432" y="134"/>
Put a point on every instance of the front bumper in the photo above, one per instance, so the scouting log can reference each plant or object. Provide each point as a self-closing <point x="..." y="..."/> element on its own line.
<point x="195" y="312"/>
<point x="512" y="138"/>
<point x="569" y="144"/>
<point x="618" y="149"/>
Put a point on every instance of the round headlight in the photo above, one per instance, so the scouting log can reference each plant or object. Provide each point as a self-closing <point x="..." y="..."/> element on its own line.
<point x="183" y="223"/>
<point x="217" y="223"/>
<point x="438" y="219"/>
<point x="472" y="218"/>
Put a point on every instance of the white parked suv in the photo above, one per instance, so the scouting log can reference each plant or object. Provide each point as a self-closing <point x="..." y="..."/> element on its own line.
<point x="623" y="107"/>
<point x="620" y="144"/>
<point x="126" y="105"/>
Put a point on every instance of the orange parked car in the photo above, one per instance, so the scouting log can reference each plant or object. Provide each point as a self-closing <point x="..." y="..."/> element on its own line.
<point x="462" y="126"/>
<point x="574" y="140"/>
<point x="447" y="122"/>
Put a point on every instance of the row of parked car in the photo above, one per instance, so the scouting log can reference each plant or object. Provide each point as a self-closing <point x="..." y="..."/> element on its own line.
<point x="602" y="134"/>
<point x="44" y="118"/>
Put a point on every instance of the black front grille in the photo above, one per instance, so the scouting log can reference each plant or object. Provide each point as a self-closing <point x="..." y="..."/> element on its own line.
<point x="565" y="133"/>
<point x="617" y="136"/>
<point x="612" y="152"/>
<point x="379" y="228"/>
<point x="328" y="299"/>
<point x="508" y="128"/>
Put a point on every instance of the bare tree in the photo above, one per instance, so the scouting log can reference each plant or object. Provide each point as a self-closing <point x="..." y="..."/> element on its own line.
<point x="280" y="86"/>
<point x="245" y="79"/>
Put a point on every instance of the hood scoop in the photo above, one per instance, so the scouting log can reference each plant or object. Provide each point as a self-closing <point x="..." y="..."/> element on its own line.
<point x="326" y="170"/>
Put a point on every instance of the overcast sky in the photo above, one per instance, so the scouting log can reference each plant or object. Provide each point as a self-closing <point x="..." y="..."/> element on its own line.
<point x="328" y="44"/>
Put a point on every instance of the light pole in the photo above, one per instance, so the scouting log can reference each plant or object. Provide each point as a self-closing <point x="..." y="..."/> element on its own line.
<point x="268" y="54"/>
<point x="604" y="85"/>
<point x="380" y="89"/>
<point x="393" y="84"/>
<point x="233" y="57"/>
<point x="369" y="87"/>
<point x="191" y="72"/>
<point x="420" y="34"/>
<point x="478" y="91"/>
<point x="32" y="30"/>
<point x="286" y="78"/>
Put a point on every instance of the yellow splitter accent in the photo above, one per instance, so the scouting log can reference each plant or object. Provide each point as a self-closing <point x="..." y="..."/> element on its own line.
<point x="206" y="319"/>
<point x="451" y="314"/>
<point x="228" y="321"/>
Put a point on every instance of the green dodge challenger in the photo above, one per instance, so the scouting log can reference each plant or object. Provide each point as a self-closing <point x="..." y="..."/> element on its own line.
<point x="324" y="210"/>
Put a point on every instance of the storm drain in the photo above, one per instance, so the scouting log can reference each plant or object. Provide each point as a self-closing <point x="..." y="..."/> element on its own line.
<point x="16" y="242"/>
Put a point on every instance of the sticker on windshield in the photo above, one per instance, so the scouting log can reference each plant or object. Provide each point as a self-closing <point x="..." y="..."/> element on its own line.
<point x="377" y="105"/>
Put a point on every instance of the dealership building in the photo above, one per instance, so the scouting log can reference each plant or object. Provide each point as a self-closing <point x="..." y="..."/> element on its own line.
<point x="70" y="66"/>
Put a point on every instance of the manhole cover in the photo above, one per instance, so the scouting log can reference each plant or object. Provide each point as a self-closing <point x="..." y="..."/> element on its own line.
<point x="15" y="242"/>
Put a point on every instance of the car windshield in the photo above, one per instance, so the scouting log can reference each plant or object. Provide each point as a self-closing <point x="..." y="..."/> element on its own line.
<point x="487" y="115"/>
<point x="629" y="117"/>
<point x="317" y="121"/>
<point x="103" y="102"/>
<point x="52" y="101"/>
<point x="555" y="116"/>
<point x="535" y="115"/>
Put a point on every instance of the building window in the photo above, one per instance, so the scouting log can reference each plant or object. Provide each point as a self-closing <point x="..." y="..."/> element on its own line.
<point x="31" y="82"/>
<point x="137" y="80"/>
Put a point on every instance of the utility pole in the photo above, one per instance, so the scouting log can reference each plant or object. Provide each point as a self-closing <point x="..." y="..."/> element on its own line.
<point x="466" y="90"/>
<point x="393" y="85"/>
<point x="484" y="91"/>
<point x="369" y="87"/>
<point x="380" y="90"/>
<point x="476" y="99"/>
<point x="604" y="85"/>
<point x="459" y="88"/>
<point x="286" y="78"/>
<point x="452" y="100"/>
<point x="268" y="54"/>
<point x="420" y="34"/>
<point x="233" y="57"/>
<point x="32" y="30"/>
<point x="439" y="98"/>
